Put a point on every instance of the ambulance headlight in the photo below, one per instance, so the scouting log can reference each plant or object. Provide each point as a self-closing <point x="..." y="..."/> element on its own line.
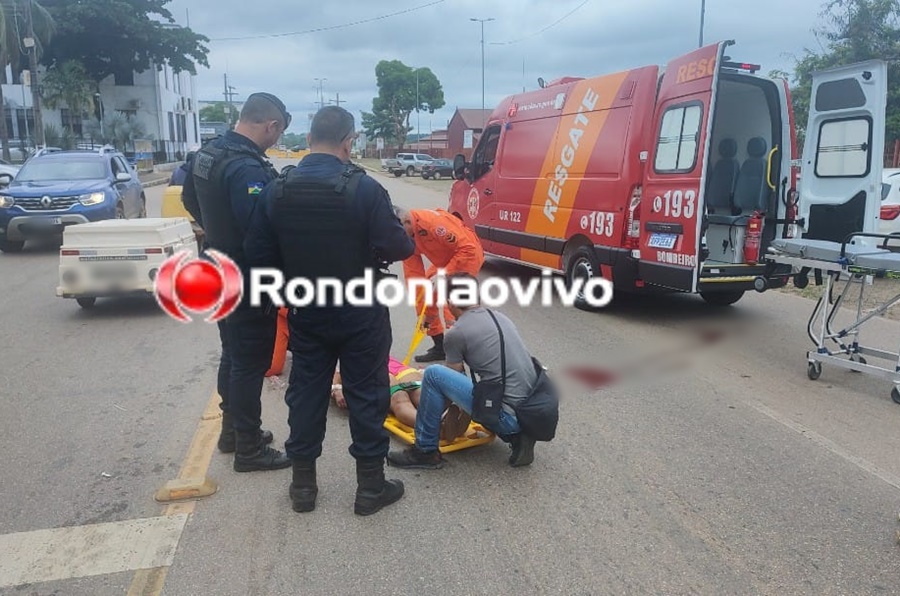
<point x="94" y="198"/>
<point x="6" y="202"/>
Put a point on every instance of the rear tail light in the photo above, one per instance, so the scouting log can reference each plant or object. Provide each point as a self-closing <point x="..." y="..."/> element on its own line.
<point x="69" y="253"/>
<point x="890" y="212"/>
<point x="633" y="234"/>
<point x="153" y="251"/>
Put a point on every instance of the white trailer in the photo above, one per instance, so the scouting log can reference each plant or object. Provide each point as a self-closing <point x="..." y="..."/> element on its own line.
<point x="119" y="257"/>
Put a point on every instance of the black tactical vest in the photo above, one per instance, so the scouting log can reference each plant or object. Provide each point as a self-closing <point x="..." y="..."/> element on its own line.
<point x="219" y="223"/>
<point x="318" y="227"/>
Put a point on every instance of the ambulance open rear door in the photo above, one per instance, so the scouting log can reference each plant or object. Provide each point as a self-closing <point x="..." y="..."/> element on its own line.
<point x="675" y="171"/>
<point x="840" y="174"/>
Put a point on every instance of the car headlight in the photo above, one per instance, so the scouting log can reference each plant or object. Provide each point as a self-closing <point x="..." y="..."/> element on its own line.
<point x="95" y="198"/>
<point x="6" y="202"/>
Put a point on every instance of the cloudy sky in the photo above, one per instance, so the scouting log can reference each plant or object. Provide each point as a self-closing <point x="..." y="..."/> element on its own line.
<point x="551" y="39"/>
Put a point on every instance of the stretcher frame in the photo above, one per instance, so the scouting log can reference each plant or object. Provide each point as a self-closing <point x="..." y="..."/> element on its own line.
<point x="474" y="436"/>
<point x="849" y="353"/>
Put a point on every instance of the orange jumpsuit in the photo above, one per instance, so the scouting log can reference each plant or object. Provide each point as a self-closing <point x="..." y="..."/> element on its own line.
<point x="442" y="238"/>
<point x="281" y="344"/>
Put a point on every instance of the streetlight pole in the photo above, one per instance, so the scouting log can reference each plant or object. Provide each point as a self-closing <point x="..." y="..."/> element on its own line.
<point x="482" y="21"/>
<point x="418" y="126"/>
<point x="100" y="100"/>
<point x="702" y="18"/>
<point x="321" y="92"/>
<point x="30" y="44"/>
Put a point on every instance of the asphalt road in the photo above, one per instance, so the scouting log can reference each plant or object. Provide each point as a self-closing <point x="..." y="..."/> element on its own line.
<point x="715" y="470"/>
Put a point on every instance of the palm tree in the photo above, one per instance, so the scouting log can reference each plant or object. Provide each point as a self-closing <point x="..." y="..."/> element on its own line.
<point x="13" y="29"/>
<point x="68" y="83"/>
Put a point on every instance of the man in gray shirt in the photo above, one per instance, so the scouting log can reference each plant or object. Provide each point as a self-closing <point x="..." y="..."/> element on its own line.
<point x="475" y="341"/>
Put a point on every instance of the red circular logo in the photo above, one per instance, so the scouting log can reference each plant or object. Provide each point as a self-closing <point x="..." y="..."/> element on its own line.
<point x="199" y="285"/>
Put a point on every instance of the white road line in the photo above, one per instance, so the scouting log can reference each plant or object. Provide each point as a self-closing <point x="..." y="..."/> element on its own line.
<point x="828" y="444"/>
<point x="82" y="551"/>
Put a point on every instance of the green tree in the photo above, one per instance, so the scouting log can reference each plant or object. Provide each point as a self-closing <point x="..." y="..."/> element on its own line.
<point x="12" y="27"/>
<point x="396" y="101"/>
<point x="854" y="31"/>
<point x="68" y="84"/>
<point x="216" y="113"/>
<point x="122" y="36"/>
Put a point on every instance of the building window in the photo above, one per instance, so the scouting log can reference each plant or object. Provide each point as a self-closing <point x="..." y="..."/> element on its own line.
<point x="24" y="127"/>
<point x="171" y="126"/>
<point x="68" y="118"/>
<point x="182" y="128"/>
<point x="166" y="72"/>
<point x="125" y="78"/>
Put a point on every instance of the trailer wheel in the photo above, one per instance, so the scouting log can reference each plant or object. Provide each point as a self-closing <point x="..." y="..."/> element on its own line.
<point x="582" y="265"/>
<point x="814" y="370"/>
<point x="86" y="302"/>
<point x="895" y="395"/>
<point x="722" y="298"/>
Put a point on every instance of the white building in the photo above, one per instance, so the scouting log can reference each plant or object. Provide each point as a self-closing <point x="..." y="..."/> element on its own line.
<point x="165" y="104"/>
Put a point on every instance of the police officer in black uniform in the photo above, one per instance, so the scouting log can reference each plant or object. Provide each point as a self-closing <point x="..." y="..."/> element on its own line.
<point x="327" y="219"/>
<point x="226" y="178"/>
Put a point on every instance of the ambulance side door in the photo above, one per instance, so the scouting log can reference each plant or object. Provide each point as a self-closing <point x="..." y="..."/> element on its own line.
<point x="675" y="172"/>
<point x="841" y="170"/>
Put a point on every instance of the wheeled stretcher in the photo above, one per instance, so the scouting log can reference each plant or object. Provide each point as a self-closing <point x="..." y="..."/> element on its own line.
<point x="850" y="263"/>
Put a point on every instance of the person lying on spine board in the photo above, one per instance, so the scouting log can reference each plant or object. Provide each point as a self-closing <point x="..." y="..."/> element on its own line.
<point x="406" y="384"/>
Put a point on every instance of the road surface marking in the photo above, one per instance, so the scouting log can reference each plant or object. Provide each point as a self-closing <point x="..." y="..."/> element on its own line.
<point x="828" y="444"/>
<point x="82" y="551"/>
<point x="149" y="581"/>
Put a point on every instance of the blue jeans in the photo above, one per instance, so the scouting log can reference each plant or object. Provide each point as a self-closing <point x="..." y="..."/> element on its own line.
<point x="440" y="383"/>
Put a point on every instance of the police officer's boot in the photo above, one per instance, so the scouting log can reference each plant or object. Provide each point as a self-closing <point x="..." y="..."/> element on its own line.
<point x="303" y="489"/>
<point x="252" y="454"/>
<point x="373" y="492"/>
<point x="226" y="438"/>
<point x="436" y="352"/>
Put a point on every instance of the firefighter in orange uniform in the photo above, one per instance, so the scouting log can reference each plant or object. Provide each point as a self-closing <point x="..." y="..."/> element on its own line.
<point x="281" y="345"/>
<point x="442" y="238"/>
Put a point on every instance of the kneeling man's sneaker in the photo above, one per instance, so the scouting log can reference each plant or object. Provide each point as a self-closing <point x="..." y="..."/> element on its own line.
<point x="522" y="450"/>
<point x="413" y="457"/>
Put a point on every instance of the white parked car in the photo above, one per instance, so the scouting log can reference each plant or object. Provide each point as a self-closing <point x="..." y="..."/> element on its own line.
<point x="890" y="202"/>
<point x="8" y="168"/>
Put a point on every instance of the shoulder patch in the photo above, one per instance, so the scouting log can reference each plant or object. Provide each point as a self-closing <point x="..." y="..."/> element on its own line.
<point x="255" y="188"/>
<point x="440" y="231"/>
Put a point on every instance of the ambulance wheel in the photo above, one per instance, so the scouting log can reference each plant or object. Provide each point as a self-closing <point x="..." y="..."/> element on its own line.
<point x="86" y="302"/>
<point x="895" y="395"/>
<point x="722" y="298"/>
<point x="582" y="265"/>
<point x="814" y="370"/>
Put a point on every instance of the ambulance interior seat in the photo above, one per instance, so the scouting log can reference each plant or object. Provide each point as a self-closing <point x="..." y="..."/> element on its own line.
<point x="723" y="178"/>
<point x="751" y="190"/>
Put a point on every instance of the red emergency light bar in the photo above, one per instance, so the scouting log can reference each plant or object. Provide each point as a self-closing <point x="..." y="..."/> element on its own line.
<point x="752" y="68"/>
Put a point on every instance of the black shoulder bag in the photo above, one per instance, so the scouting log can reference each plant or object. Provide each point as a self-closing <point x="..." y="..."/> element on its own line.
<point x="487" y="396"/>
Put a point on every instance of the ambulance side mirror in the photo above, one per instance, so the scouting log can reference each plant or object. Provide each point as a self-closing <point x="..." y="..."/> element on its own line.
<point x="459" y="167"/>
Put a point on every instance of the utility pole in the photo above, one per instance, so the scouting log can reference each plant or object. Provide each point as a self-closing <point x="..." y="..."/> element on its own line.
<point x="702" y="18"/>
<point x="321" y="101"/>
<point x="418" y="126"/>
<point x="29" y="43"/>
<point x="337" y="100"/>
<point x="229" y="95"/>
<point x="482" y="21"/>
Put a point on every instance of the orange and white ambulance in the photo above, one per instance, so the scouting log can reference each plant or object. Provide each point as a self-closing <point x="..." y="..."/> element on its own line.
<point x="674" y="179"/>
